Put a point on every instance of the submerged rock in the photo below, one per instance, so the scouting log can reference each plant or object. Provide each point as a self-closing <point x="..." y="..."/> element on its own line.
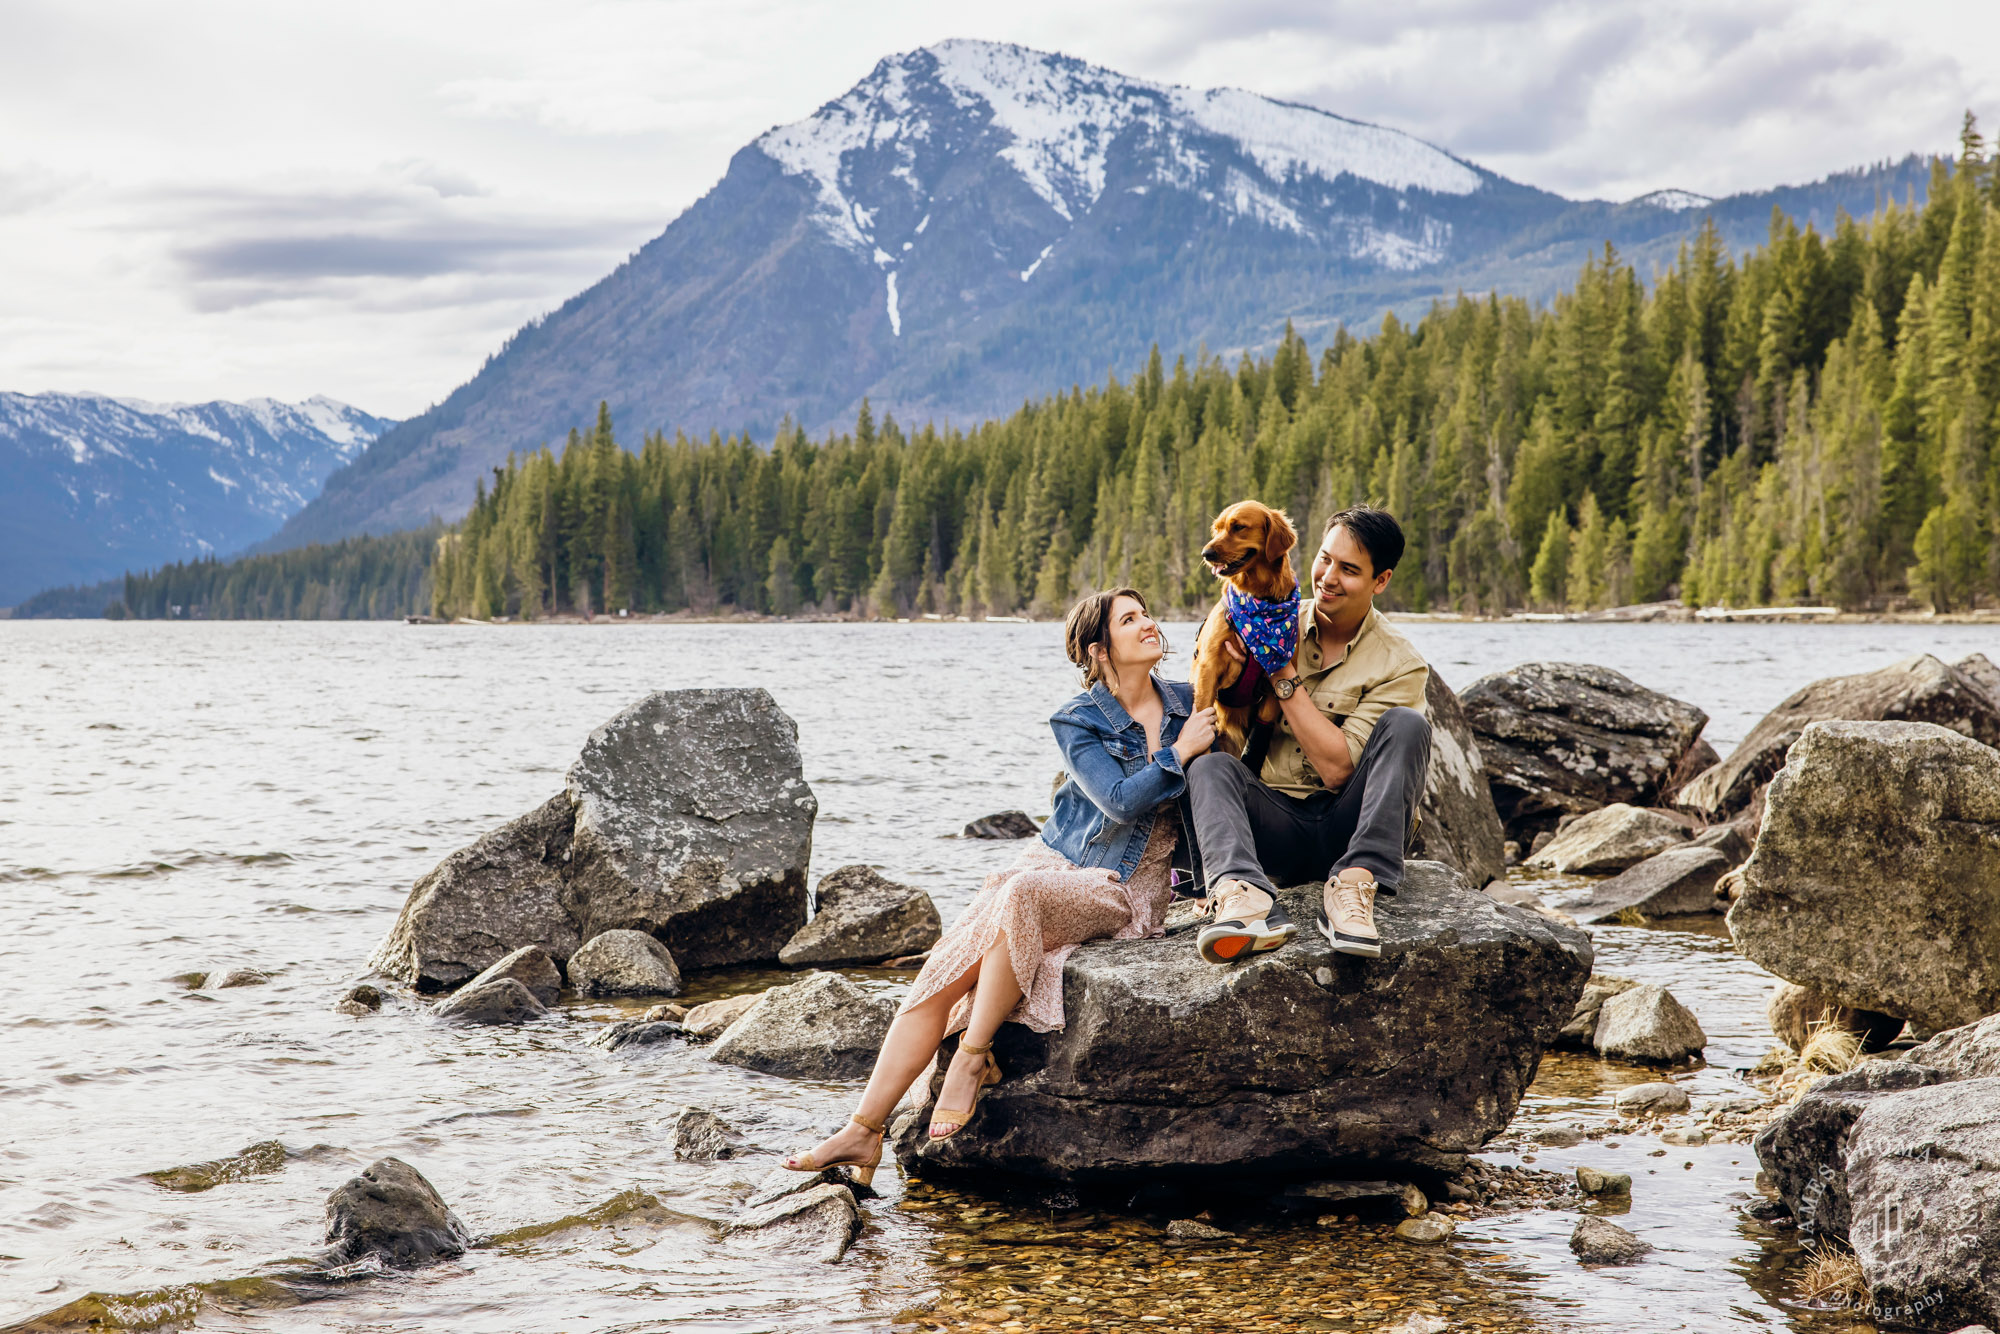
<point x="1599" y="1241"/>
<point x="1428" y="1230"/>
<point x="1920" y="689"/>
<point x="502" y="1001"/>
<point x="390" y="1211"/>
<point x="1564" y="738"/>
<point x="532" y="968"/>
<point x="696" y="1135"/>
<point x="687" y="817"/>
<point x="1796" y="1013"/>
<point x="629" y="1033"/>
<point x="820" y="1221"/>
<point x="1611" y="839"/>
<point x="256" y="1160"/>
<point x="1457" y="823"/>
<point x="1346" y="1064"/>
<point x="1656" y="1099"/>
<point x="624" y="963"/>
<point x="825" y="1027"/>
<point x="1876" y="880"/>
<point x="1006" y="824"/>
<point x="1645" y="1023"/>
<point x="863" y="917"/>
<point x="1678" y="881"/>
<point x="360" y="1000"/>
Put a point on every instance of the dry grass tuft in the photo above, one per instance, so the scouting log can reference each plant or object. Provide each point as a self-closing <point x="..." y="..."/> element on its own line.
<point x="1832" y="1277"/>
<point x="1828" y="1051"/>
<point x="1631" y="917"/>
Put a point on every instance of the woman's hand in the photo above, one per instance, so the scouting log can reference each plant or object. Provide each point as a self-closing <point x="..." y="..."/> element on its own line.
<point x="1197" y="734"/>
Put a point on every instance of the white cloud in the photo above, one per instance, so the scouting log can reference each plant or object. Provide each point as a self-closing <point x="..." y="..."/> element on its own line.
<point x="363" y="198"/>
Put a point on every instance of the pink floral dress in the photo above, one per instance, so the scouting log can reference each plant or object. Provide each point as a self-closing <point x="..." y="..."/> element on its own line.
<point x="1048" y="907"/>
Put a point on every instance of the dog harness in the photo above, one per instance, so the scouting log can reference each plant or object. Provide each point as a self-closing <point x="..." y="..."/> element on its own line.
<point x="1269" y="629"/>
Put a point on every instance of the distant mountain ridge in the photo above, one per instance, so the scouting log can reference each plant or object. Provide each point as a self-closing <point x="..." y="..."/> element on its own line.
<point x="92" y="486"/>
<point x="974" y="223"/>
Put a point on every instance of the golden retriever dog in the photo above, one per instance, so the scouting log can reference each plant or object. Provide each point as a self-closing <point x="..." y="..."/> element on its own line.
<point x="1248" y="546"/>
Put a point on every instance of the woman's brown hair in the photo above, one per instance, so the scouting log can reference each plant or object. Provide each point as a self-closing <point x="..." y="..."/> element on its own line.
<point x="1089" y="622"/>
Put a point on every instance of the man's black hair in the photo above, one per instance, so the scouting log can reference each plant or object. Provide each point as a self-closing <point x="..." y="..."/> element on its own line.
<point x="1376" y="530"/>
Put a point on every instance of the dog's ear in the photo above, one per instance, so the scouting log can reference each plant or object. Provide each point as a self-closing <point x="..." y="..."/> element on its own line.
<point x="1279" y="536"/>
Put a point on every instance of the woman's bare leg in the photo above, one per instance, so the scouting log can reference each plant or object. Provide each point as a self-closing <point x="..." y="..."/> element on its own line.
<point x="997" y="995"/>
<point x="909" y="1048"/>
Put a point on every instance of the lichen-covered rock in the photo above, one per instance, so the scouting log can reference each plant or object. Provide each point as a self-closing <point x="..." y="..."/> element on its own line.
<point x="1457" y="823"/>
<point x="501" y="1001"/>
<point x="532" y="968"/>
<point x="484" y="902"/>
<point x="1562" y="738"/>
<point x="1646" y="1023"/>
<point x="1796" y="1013"/>
<point x="1920" y="689"/>
<point x="863" y="917"/>
<point x="624" y="963"/>
<point x="1876" y="880"/>
<point x="825" y="1027"/>
<point x="687" y="817"/>
<point x="1340" y="1066"/>
<point x="694" y="824"/>
<point x="391" y="1211"/>
<point x="1679" y="881"/>
<point x="1607" y="840"/>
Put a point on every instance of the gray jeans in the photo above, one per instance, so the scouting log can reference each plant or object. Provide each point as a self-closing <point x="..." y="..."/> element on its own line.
<point x="1249" y="831"/>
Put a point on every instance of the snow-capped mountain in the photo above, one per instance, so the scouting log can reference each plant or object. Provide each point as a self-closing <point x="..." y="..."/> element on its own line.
<point x="91" y="486"/>
<point x="975" y="223"/>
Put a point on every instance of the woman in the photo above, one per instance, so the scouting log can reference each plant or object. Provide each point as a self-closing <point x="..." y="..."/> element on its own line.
<point x="1100" y="869"/>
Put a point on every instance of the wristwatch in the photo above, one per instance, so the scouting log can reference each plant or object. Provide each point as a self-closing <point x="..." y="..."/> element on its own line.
<point x="1285" y="687"/>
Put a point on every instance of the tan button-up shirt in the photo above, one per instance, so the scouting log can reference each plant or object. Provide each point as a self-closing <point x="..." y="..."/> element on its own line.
<point x="1378" y="670"/>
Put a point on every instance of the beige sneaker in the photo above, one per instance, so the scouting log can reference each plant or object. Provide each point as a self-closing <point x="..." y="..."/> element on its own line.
<point x="1248" y="921"/>
<point x="1352" y="925"/>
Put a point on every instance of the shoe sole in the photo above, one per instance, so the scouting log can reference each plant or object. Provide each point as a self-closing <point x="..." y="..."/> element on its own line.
<point x="1225" y="946"/>
<point x="1359" y="946"/>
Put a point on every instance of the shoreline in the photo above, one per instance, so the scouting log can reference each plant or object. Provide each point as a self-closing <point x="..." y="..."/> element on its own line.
<point x="1611" y="616"/>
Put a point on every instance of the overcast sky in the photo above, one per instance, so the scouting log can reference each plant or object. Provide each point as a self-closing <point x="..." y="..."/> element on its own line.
<point x="221" y="200"/>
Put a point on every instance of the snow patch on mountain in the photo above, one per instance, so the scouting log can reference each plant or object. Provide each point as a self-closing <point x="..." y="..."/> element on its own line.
<point x="1679" y="201"/>
<point x="1061" y="118"/>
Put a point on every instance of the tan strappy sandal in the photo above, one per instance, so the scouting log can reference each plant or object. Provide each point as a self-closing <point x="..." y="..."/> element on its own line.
<point x="863" y="1170"/>
<point x="956" y="1117"/>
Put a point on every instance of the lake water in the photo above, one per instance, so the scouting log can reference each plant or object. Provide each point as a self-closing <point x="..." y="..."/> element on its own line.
<point x="185" y="797"/>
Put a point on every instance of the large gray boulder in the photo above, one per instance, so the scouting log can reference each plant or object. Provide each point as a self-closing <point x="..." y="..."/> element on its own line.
<point x="392" y="1212"/>
<point x="693" y="823"/>
<point x="624" y="963"/>
<point x="862" y="917"/>
<point x="1920" y="689"/>
<point x="1678" y="881"/>
<point x="825" y="1027"/>
<point x="687" y="817"/>
<point x="1901" y="1160"/>
<point x="1876" y="879"/>
<point x="1457" y="824"/>
<point x="1564" y="738"/>
<point x="820" y="1221"/>
<point x="485" y="901"/>
<point x="1612" y="839"/>
<point x="1303" y="1062"/>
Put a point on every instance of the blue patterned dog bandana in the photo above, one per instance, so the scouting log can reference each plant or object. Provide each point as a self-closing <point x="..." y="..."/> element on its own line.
<point x="1270" y="630"/>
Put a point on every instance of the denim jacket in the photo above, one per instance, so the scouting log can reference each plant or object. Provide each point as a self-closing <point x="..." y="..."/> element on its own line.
<point x="1111" y="791"/>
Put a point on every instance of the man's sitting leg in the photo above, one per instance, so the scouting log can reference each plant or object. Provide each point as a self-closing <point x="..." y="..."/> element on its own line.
<point x="1231" y="809"/>
<point x="1379" y="803"/>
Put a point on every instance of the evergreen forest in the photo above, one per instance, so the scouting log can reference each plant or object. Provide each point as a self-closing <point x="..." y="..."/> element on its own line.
<point x="1813" y="422"/>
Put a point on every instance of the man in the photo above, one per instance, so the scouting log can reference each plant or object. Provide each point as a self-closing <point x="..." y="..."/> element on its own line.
<point x="1333" y="795"/>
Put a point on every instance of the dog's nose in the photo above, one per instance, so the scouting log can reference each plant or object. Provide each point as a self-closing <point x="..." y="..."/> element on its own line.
<point x="1210" y="553"/>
